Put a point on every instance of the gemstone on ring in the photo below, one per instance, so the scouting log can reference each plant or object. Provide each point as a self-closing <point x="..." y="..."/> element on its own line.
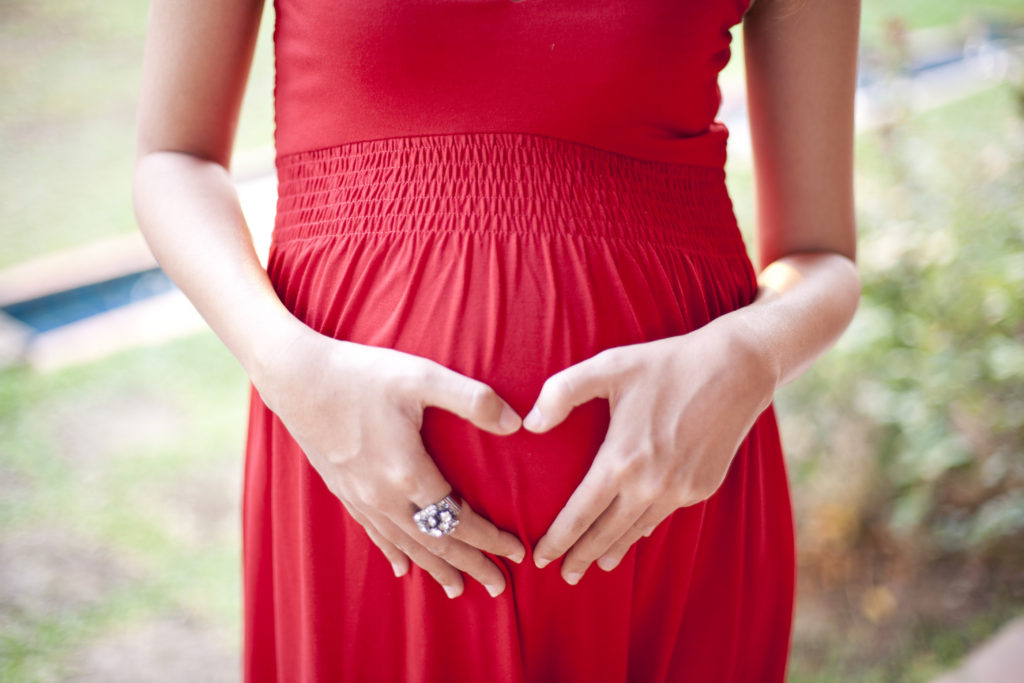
<point x="438" y="519"/>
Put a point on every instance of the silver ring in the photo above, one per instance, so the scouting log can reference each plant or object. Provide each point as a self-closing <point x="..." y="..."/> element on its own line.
<point x="440" y="518"/>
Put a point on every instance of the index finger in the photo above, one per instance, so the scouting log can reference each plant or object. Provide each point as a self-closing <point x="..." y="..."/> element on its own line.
<point x="481" y="533"/>
<point x="468" y="398"/>
<point x="591" y="498"/>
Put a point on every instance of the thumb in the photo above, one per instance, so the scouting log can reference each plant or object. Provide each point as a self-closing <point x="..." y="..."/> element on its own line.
<point x="470" y="399"/>
<point x="566" y="389"/>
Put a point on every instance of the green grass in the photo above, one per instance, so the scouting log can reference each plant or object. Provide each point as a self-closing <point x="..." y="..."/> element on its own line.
<point x="103" y="452"/>
<point x="920" y="14"/>
<point x="70" y="81"/>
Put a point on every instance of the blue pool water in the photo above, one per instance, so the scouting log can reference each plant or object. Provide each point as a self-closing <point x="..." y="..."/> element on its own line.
<point x="55" y="310"/>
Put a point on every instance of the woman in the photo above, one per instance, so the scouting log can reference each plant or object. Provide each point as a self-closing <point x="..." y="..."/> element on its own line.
<point x="494" y="209"/>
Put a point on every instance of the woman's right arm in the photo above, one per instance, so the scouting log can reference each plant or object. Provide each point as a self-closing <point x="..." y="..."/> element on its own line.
<point x="355" y="410"/>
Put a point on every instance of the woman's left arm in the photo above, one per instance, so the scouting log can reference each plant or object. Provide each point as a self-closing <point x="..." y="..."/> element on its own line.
<point x="681" y="406"/>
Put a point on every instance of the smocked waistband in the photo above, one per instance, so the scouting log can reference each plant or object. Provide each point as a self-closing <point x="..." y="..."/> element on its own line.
<point x="520" y="183"/>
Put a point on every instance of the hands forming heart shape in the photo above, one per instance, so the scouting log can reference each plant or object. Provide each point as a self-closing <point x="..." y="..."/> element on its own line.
<point x="680" y="407"/>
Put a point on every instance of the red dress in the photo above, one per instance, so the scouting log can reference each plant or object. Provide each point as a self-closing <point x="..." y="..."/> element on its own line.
<point x="508" y="188"/>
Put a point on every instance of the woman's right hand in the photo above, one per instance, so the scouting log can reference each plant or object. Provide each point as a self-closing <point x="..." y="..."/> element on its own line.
<point x="356" y="411"/>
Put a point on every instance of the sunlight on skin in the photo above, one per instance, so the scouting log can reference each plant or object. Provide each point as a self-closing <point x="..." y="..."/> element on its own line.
<point x="780" y="276"/>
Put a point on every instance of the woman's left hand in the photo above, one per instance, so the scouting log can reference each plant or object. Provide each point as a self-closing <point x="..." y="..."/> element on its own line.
<point x="680" y="407"/>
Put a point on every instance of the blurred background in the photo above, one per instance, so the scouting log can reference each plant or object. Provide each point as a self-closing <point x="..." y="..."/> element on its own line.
<point x="122" y="418"/>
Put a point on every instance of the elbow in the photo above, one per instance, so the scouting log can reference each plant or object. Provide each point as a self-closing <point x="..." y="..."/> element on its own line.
<point x="855" y="285"/>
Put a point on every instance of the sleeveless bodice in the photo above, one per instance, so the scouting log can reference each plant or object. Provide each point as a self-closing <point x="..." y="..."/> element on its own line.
<point x="629" y="76"/>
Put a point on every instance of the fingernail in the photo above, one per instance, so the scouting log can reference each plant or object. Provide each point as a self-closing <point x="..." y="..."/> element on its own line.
<point x="398" y="569"/>
<point x="572" y="578"/>
<point x="452" y="591"/>
<point x="517" y="557"/>
<point x="509" y="420"/>
<point x="534" y="420"/>
<point x="495" y="591"/>
<point x="541" y="562"/>
<point x="607" y="563"/>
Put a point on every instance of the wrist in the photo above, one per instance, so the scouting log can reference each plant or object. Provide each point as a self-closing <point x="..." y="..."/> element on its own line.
<point x="750" y="346"/>
<point x="275" y="342"/>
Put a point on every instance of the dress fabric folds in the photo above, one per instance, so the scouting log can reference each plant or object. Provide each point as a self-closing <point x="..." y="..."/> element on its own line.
<point x="506" y="255"/>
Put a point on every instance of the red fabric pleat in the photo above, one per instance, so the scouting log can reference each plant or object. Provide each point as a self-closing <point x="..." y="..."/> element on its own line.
<point x="508" y="257"/>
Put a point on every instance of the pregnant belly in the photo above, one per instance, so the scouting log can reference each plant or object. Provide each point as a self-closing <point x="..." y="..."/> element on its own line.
<point x="506" y="258"/>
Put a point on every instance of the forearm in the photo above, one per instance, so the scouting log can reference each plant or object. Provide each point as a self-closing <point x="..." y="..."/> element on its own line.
<point x="188" y="210"/>
<point x="804" y="303"/>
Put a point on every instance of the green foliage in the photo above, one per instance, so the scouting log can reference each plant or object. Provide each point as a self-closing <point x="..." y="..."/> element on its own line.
<point x="932" y="368"/>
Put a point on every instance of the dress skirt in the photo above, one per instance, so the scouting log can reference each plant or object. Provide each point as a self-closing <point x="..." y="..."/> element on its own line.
<point x="508" y="257"/>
